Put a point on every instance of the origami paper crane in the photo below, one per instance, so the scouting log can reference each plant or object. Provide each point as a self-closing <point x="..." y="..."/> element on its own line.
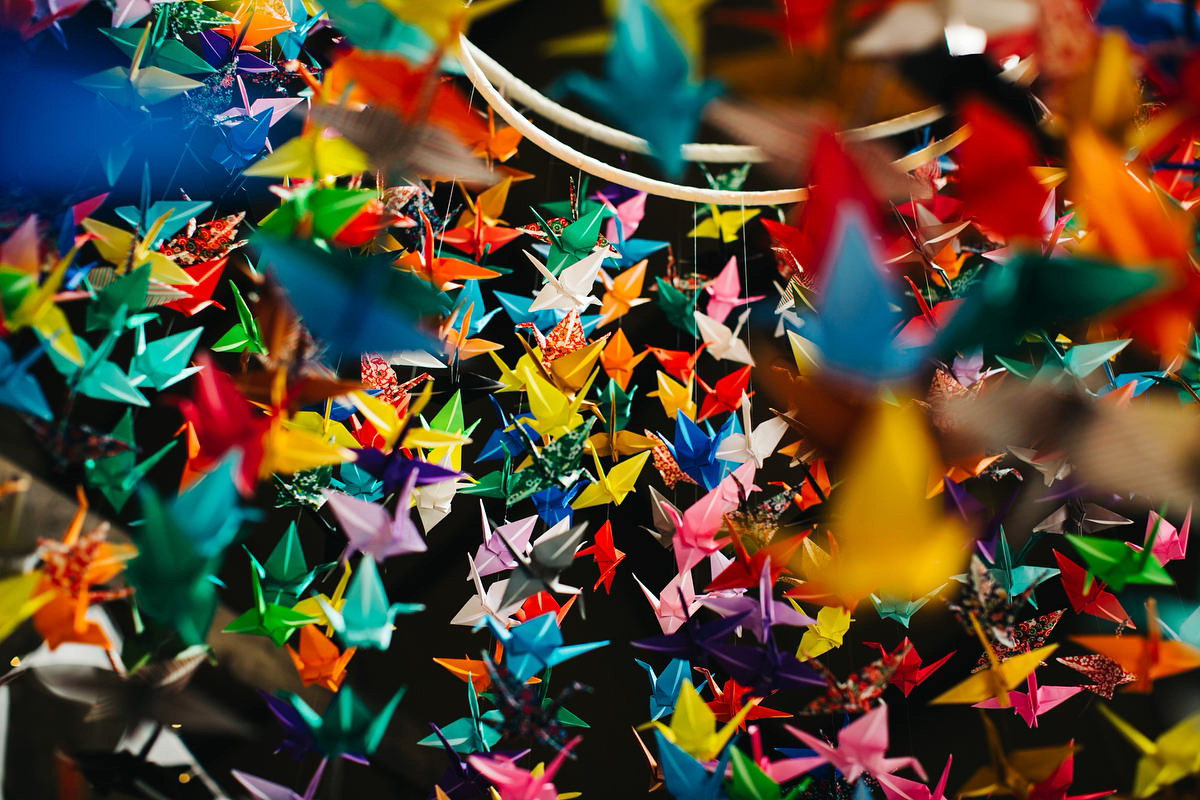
<point x="1174" y="755"/>
<point x="684" y="776"/>
<point x="1031" y="704"/>
<point x="472" y="734"/>
<point x="826" y="633"/>
<point x="571" y="288"/>
<point x="552" y="466"/>
<point x="996" y="680"/>
<point x="696" y="528"/>
<point x="347" y="726"/>
<point x="860" y="750"/>
<point x="647" y="88"/>
<point x="612" y="486"/>
<point x="117" y="476"/>
<point x="535" y="645"/>
<point x="493" y="556"/>
<point x="665" y="687"/>
<point x="691" y="726"/>
<point x="541" y="569"/>
<point x="1091" y="599"/>
<point x="750" y="781"/>
<point x="318" y="659"/>
<point x="1021" y="772"/>
<point x="909" y="672"/>
<point x="606" y="556"/>
<point x="1148" y="657"/>
<point x="1105" y="673"/>
<point x="374" y="532"/>
<point x="675" y="603"/>
<point x="275" y="622"/>
<point x="676" y="398"/>
<point x="724" y="292"/>
<point x="365" y="620"/>
<point x="513" y="783"/>
<point x="724" y="343"/>
<point x="1169" y="543"/>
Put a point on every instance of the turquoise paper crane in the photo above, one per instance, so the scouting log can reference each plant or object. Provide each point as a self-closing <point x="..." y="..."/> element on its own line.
<point x="535" y="645"/>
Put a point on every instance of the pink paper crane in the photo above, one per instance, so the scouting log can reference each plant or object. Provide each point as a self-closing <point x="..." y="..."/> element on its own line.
<point x="515" y="783"/>
<point x="1170" y="544"/>
<point x="1037" y="701"/>
<point x="724" y="292"/>
<point x="861" y="750"/>
<point x="696" y="528"/>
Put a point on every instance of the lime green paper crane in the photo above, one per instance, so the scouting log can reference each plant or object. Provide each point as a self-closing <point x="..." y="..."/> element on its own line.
<point x="1116" y="564"/>
<point x="275" y="622"/>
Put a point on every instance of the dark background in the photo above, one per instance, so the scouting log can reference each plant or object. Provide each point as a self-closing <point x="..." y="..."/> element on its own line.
<point x="49" y="155"/>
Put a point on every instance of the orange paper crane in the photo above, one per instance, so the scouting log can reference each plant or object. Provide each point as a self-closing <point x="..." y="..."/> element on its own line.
<point x="255" y="23"/>
<point x="1148" y="657"/>
<point x="474" y="670"/>
<point x="318" y="660"/>
<point x="497" y="145"/>
<point x="415" y="93"/>
<point x="618" y="359"/>
<point x="457" y="342"/>
<point x="72" y="567"/>
<point x="441" y="273"/>
<point x="623" y="292"/>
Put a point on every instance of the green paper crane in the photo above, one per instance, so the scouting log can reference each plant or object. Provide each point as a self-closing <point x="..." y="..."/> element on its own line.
<point x="285" y="574"/>
<point x="1030" y="292"/>
<point x="138" y="85"/>
<point x="347" y="726"/>
<point x="497" y="484"/>
<point x="1013" y="576"/>
<point x="163" y="362"/>
<point x="118" y="476"/>
<point x="112" y="303"/>
<point x="556" y="464"/>
<point x="172" y="580"/>
<point x="749" y="782"/>
<point x="571" y="243"/>
<point x="97" y="377"/>
<point x="1116" y="563"/>
<point x="473" y="734"/>
<point x="366" y="617"/>
<point x="244" y="336"/>
<point x="275" y="622"/>
<point x="679" y="308"/>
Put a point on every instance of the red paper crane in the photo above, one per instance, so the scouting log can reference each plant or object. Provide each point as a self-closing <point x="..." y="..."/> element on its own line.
<point x="726" y="396"/>
<point x="607" y="557"/>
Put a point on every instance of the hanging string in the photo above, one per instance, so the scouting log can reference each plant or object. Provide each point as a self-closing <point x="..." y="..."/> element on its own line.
<point x="470" y="56"/>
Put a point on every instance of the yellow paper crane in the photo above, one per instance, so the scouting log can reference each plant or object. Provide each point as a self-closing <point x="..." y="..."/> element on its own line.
<point x="614" y="486"/>
<point x="691" y="728"/>
<point x="891" y="539"/>
<point x="1171" y="757"/>
<point x="1020" y="773"/>
<point x="38" y="310"/>
<point x="832" y="624"/>
<point x="554" y="412"/>
<point x="122" y="249"/>
<point x="674" y="396"/>
<point x="999" y="678"/>
<point x="315" y="608"/>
